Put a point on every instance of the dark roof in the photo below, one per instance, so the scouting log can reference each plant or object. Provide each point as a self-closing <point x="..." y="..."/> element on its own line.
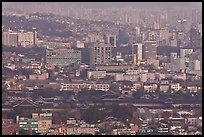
<point x="26" y="103"/>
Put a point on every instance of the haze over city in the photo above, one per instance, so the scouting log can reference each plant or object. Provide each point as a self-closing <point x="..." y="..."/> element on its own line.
<point x="102" y="68"/>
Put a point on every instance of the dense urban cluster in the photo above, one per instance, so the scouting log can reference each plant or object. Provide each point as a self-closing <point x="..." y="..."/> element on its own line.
<point x="102" y="72"/>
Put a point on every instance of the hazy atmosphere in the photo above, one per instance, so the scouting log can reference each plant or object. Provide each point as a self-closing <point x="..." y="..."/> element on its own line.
<point x="102" y="68"/>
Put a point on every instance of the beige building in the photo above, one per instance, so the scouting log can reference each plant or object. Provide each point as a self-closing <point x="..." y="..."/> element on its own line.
<point x="164" y="87"/>
<point x="39" y="123"/>
<point x="10" y="38"/>
<point x="80" y="44"/>
<point x="137" y="53"/>
<point x="82" y="131"/>
<point x="175" y="86"/>
<point x="79" y="86"/>
<point x="43" y="76"/>
<point x="63" y="56"/>
<point x="44" y="125"/>
<point x="96" y="74"/>
<point x="27" y="38"/>
<point x="150" y="50"/>
<point x="100" y="54"/>
<point x="113" y="67"/>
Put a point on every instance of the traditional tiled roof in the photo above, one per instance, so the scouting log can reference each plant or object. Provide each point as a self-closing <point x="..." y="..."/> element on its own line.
<point x="25" y="103"/>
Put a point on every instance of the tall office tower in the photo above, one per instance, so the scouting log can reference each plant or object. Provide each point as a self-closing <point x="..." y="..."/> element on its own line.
<point x="150" y="50"/>
<point x="100" y="53"/>
<point x="10" y="38"/>
<point x="137" y="53"/>
<point x="63" y="56"/>
<point x="195" y="38"/>
<point x="185" y="53"/>
<point x="123" y="37"/>
<point x="138" y="34"/>
<point x="27" y="38"/>
<point x="110" y="39"/>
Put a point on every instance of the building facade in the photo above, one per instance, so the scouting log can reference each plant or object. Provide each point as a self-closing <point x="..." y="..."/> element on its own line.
<point x="63" y="56"/>
<point x="100" y="53"/>
<point x="150" y="50"/>
<point x="137" y="53"/>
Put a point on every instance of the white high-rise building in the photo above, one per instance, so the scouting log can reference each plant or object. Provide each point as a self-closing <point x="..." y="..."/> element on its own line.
<point x="137" y="53"/>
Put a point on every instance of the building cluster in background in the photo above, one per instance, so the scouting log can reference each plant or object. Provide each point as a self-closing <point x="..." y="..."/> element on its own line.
<point x="150" y="60"/>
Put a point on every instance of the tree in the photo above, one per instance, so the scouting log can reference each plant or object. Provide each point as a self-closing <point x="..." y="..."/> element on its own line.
<point x="139" y="93"/>
<point x="93" y="114"/>
<point x="4" y="96"/>
<point x="122" y="112"/>
<point x="166" y="115"/>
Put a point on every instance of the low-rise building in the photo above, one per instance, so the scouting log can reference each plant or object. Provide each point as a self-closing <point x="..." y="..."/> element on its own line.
<point x="42" y="76"/>
<point x="164" y="87"/>
<point x="192" y="88"/>
<point x="137" y="85"/>
<point x="83" y="85"/>
<point x="96" y="74"/>
<point x="175" y="86"/>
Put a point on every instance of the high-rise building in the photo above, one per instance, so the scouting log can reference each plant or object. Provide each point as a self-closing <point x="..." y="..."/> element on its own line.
<point x="123" y="37"/>
<point x="27" y="38"/>
<point x="185" y="53"/>
<point x="137" y="53"/>
<point x="100" y="53"/>
<point x="24" y="39"/>
<point x="150" y="50"/>
<point x="110" y="39"/>
<point x="63" y="56"/>
<point x="137" y="30"/>
<point x="195" y="38"/>
<point x="10" y="38"/>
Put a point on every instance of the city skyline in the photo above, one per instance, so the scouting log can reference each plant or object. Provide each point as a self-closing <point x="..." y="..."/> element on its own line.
<point x="102" y="68"/>
<point x="108" y="4"/>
